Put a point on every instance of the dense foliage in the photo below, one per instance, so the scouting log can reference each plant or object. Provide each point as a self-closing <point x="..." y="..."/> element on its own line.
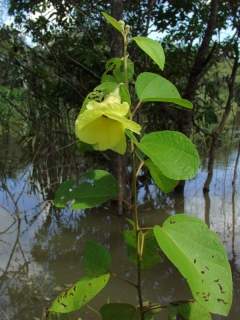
<point x="68" y="45"/>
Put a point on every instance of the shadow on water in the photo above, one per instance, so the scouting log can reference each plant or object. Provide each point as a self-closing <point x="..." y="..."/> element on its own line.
<point x="41" y="248"/>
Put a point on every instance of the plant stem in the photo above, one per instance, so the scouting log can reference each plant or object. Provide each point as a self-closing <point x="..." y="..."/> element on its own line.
<point x="138" y="229"/>
<point x="135" y="172"/>
<point x="134" y="190"/>
<point x="125" y="55"/>
<point x="136" y="108"/>
<point x="94" y="311"/>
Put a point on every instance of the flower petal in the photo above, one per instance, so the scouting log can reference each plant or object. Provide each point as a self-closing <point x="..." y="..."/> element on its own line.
<point x="85" y="118"/>
<point x="103" y="133"/>
<point x="118" y="109"/>
<point x="121" y="146"/>
<point x="127" y="124"/>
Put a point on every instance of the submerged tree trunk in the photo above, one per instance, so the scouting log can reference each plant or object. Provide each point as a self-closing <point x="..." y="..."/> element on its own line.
<point x="117" y="51"/>
<point x="219" y="129"/>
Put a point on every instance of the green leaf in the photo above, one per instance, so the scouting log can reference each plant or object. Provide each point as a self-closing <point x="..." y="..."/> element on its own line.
<point x="112" y="64"/>
<point x="151" y="87"/>
<point x="96" y="259"/>
<point x="132" y="136"/>
<point x="119" y="311"/>
<point x="80" y="294"/>
<point x="84" y="147"/>
<point x="106" y="87"/>
<point x="172" y="312"/>
<point x="151" y="255"/>
<point x="119" y="72"/>
<point x="118" y="25"/>
<point x="124" y="93"/>
<point x="95" y="188"/>
<point x="200" y="257"/>
<point x="107" y="78"/>
<point x="193" y="311"/>
<point x="165" y="184"/>
<point x="172" y="153"/>
<point x="153" y="49"/>
<point x="114" y="70"/>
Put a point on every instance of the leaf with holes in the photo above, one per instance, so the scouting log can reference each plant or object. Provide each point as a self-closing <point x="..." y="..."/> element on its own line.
<point x="172" y="153"/>
<point x="200" y="257"/>
<point x="153" y="49"/>
<point x="118" y="25"/>
<point x="151" y="87"/>
<point x="96" y="259"/>
<point x="164" y="183"/>
<point x="151" y="255"/>
<point x="80" y="294"/>
<point x="95" y="188"/>
<point x="119" y="311"/>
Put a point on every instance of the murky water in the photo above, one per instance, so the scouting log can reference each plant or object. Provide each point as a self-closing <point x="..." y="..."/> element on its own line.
<point x="41" y="248"/>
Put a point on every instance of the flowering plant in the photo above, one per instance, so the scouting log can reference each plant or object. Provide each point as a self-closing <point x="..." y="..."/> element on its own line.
<point x="105" y="119"/>
<point x="103" y="124"/>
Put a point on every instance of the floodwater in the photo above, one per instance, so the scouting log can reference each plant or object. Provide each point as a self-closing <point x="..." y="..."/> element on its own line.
<point x="41" y="248"/>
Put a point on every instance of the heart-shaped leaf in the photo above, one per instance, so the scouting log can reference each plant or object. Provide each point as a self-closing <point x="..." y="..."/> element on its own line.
<point x="151" y="87"/>
<point x="153" y="49"/>
<point x="95" y="188"/>
<point x="200" y="257"/>
<point x="172" y="153"/>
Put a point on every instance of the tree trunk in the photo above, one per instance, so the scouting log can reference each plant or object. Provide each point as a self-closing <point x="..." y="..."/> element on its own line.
<point x="200" y="65"/>
<point x="219" y="129"/>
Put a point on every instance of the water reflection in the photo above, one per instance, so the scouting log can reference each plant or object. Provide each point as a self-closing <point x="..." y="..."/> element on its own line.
<point x="41" y="248"/>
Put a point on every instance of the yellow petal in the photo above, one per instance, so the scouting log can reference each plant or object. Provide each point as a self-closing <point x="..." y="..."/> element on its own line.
<point x="93" y="105"/>
<point x="127" y="124"/>
<point x="119" y="109"/>
<point x="121" y="146"/>
<point x="103" y="133"/>
<point x="85" y="118"/>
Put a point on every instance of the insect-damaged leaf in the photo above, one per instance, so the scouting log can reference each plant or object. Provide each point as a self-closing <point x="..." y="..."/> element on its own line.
<point x="80" y="294"/>
<point x="95" y="188"/>
<point x="200" y="257"/>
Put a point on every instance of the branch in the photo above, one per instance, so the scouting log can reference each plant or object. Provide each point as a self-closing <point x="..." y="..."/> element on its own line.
<point x="202" y="57"/>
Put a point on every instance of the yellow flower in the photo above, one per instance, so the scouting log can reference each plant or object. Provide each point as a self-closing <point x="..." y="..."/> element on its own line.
<point x="103" y="124"/>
